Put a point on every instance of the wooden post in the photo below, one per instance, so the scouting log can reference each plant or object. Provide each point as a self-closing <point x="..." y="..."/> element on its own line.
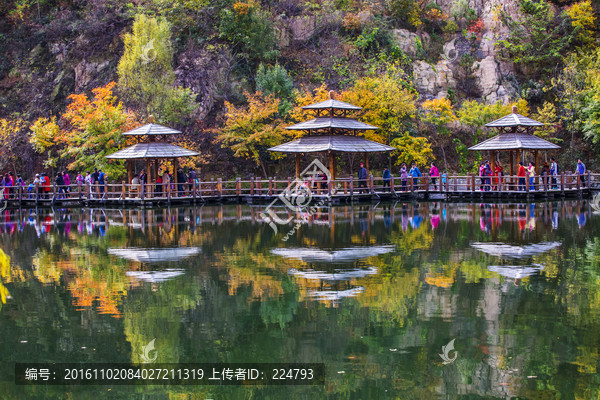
<point x="220" y="187"/>
<point x="238" y="186"/>
<point x="366" y="155"/>
<point x="562" y="182"/>
<point x="512" y="166"/>
<point x="537" y="163"/>
<point x="175" y="170"/>
<point x="123" y="189"/>
<point x="345" y="187"/>
<point x="129" y="171"/>
<point x="297" y="156"/>
<point x="252" y="186"/>
<point x="493" y="156"/>
<point x="142" y="190"/>
<point x="472" y="183"/>
<point x="194" y="190"/>
<point x="270" y="185"/>
<point x="332" y="164"/>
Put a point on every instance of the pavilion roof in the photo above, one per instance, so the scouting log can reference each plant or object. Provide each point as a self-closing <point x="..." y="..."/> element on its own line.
<point x="513" y="120"/>
<point x="332" y="123"/>
<point x="515" y="141"/>
<point x="154" y="255"/>
<point x="151" y="129"/>
<point x="335" y="104"/>
<point x="343" y="143"/>
<point x="312" y="254"/>
<point x="152" y="150"/>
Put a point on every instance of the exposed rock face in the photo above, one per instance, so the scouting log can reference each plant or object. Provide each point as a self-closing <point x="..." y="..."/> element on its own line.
<point x="199" y="72"/>
<point x="407" y="41"/>
<point x="489" y="72"/>
<point x="85" y="72"/>
<point x="433" y="81"/>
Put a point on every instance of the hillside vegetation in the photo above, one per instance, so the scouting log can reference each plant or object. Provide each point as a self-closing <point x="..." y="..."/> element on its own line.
<point x="231" y="75"/>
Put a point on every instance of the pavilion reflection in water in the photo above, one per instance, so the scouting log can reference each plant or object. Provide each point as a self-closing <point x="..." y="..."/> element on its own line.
<point x="335" y="270"/>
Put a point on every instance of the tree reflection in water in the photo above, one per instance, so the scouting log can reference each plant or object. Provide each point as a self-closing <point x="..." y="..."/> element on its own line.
<point x="371" y="291"/>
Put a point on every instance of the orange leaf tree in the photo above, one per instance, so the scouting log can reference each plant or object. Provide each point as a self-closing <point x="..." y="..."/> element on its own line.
<point x="92" y="130"/>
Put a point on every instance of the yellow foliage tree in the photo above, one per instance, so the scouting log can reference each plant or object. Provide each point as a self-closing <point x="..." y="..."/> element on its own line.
<point x="582" y="17"/>
<point x="410" y="148"/>
<point x="249" y="130"/>
<point x="438" y="113"/>
<point x="547" y="115"/>
<point x="385" y="104"/>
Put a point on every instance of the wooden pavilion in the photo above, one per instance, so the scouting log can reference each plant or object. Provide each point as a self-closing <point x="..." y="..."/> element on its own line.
<point x="152" y="151"/>
<point x="515" y="137"/>
<point x="331" y="131"/>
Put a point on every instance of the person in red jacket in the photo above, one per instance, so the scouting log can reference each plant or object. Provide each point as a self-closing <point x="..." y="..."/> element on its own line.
<point x="521" y="174"/>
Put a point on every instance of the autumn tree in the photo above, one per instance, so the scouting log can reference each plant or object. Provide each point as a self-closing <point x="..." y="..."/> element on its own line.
<point x="387" y="102"/>
<point x="437" y="115"/>
<point x="146" y="75"/>
<point x="92" y="130"/>
<point x="251" y="129"/>
<point x="411" y="148"/>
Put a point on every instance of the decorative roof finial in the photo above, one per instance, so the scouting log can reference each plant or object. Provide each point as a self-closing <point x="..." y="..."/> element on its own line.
<point x="514" y="109"/>
<point x="151" y="119"/>
<point x="330" y="94"/>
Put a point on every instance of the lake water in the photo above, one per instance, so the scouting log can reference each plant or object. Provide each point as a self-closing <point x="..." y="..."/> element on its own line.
<point x="372" y="292"/>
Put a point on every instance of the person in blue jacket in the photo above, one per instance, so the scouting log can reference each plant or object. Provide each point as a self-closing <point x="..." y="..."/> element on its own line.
<point x="415" y="174"/>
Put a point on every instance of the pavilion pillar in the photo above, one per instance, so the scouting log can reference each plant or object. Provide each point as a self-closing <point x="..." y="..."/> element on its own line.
<point x="155" y="170"/>
<point x="175" y="169"/>
<point x="512" y="165"/>
<point x="537" y="163"/>
<point x="331" y="164"/>
<point x="129" y="171"/>
<point x="297" y="157"/>
<point x="493" y="156"/>
<point x="366" y="156"/>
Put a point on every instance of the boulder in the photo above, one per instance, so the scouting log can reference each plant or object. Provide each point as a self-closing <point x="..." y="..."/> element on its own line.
<point x="406" y="40"/>
<point x="431" y="80"/>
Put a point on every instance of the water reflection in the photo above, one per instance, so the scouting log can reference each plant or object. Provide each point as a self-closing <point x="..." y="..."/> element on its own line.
<point x="375" y="291"/>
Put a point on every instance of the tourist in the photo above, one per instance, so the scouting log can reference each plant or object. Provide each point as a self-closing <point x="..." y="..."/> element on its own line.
<point x="95" y="176"/>
<point x="481" y="177"/>
<point x="554" y="172"/>
<point x="531" y="175"/>
<point x="521" y="174"/>
<point x="545" y="175"/>
<point x="20" y="184"/>
<point x="181" y="178"/>
<point x="433" y="173"/>
<point x="386" y="179"/>
<point x="403" y="176"/>
<point x="47" y="187"/>
<point x="166" y="180"/>
<point x="415" y="174"/>
<point x="101" y="180"/>
<point x="88" y="184"/>
<point x="67" y="180"/>
<point x="4" y="187"/>
<point x="60" y="184"/>
<point x="581" y="171"/>
<point x="362" y="178"/>
<point x="159" y="182"/>
<point x="192" y="179"/>
<point x="487" y="173"/>
<point x="498" y="173"/>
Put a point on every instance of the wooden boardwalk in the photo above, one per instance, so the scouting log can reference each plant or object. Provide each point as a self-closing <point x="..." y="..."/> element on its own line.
<point x="296" y="192"/>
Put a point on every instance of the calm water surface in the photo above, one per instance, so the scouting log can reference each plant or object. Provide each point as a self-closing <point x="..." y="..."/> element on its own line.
<point x="373" y="292"/>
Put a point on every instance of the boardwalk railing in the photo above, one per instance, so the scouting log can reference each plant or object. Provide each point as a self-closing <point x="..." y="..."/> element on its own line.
<point x="271" y="187"/>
